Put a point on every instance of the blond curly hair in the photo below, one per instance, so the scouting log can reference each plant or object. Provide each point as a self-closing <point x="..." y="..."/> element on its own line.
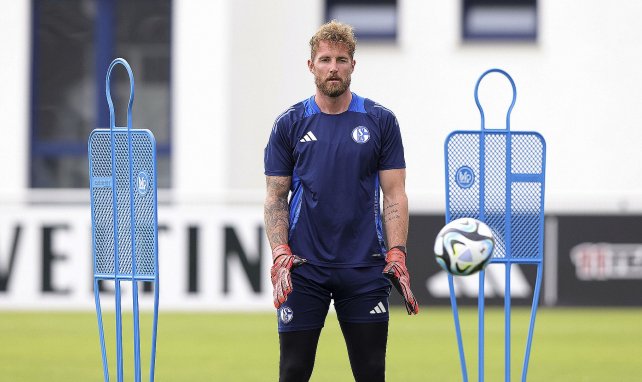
<point x="336" y="32"/>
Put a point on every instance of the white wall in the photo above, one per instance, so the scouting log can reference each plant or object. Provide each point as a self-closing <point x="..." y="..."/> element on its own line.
<point x="238" y="64"/>
<point x="14" y="97"/>
<point x="578" y="86"/>
<point x="200" y="98"/>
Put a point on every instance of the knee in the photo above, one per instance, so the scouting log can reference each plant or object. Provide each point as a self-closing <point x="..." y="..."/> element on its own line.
<point x="370" y="370"/>
<point x="293" y="370"/>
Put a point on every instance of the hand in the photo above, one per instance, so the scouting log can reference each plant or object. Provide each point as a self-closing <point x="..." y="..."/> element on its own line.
<point x="282" y="262"/>
<point x="397" y="272"/>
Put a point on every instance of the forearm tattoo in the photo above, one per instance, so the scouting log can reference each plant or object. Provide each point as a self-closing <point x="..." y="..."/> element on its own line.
<point x="276" y="209"/>
<point x="395" y="219"/>
<point x="391" y="212"/>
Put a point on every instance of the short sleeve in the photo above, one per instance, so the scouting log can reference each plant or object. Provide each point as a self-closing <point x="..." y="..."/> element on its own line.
<point x="392" y="154"/>
<point x="277" y="157"/>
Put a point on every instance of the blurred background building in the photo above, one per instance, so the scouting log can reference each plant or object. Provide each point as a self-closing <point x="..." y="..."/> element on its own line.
<point x="212" y="75"/>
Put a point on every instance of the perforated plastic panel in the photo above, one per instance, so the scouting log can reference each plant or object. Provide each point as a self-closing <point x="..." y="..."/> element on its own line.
<point x="498" y="178"/>
<point x="143" y="191"/>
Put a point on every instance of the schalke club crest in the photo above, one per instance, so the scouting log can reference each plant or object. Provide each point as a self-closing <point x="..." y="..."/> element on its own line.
<point x="360" y="134"/>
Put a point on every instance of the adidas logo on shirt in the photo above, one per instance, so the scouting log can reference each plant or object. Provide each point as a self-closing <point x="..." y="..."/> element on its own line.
<point x="378" y="309"/>
<point x="308" y="137"/>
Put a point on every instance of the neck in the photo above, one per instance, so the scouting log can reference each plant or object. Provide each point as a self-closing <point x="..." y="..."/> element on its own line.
<point x="333" y="105"/>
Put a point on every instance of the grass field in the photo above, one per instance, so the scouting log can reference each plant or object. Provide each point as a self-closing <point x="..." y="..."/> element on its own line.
<point x="575" y="345"/>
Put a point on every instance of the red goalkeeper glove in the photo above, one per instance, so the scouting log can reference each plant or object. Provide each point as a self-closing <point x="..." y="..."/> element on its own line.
<point x="282" y="262"/>
<point x="397" y="272"/>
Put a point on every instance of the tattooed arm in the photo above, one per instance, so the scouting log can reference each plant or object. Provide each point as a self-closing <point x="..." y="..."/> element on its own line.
<point x="395" y="220"/>
<point x="395" y="206"/>
<point x="276" y="209"/>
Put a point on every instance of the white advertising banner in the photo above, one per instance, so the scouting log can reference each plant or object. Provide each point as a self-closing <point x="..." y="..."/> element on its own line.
<point x="210" y="258"/>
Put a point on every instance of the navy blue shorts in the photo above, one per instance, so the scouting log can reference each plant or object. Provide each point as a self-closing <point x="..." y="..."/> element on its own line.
<point x="360" y="296"/>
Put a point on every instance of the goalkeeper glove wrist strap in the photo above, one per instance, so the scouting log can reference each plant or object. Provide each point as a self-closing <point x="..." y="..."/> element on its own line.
<point x="279" y="250"/>
<point x="402" y="248"/>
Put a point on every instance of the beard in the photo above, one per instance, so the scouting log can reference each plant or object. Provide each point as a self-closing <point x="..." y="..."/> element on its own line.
<point x="332" y="89"/>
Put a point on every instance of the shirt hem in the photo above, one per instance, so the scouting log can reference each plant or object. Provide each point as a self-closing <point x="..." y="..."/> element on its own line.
<point x="367" y="264"/>
<point x="393" y="167"/>
<point x="278" y="173"/>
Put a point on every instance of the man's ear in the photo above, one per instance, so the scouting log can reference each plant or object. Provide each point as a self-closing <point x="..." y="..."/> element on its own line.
<point x="310" y="65"/>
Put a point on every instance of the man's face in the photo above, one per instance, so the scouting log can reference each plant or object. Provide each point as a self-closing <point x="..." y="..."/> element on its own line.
<point x="332" y="67"/>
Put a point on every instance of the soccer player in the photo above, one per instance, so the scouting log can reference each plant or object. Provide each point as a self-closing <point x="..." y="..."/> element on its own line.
<point x="334" y="152"/>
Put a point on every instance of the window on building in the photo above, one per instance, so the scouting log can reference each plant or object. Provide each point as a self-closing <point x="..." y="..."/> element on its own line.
<point x="74" y="41"/>
<point x="499" y="20"/>
<point x="371" y="19"/>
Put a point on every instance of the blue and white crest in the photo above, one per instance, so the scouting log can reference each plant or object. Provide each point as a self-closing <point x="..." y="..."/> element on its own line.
<point x="286" y="314"/>
<point x="360" y="134"/>
<point x="465" y="177"/>
<point x="142" y="182"/>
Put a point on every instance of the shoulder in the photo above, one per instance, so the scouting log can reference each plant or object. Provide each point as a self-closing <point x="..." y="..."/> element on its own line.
<point x="293" y="114"/>
<point x="377" y="109"/>
<point x="289" y="115"/>
<point x="379" y="112"/>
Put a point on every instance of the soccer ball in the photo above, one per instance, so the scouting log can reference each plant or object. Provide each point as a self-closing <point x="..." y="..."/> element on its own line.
<point x="464" y="246"/>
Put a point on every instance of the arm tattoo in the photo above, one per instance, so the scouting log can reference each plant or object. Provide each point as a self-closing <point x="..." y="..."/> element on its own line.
<point x="391" y="212"/>
<point x="276" y="209"/>
<point x="395" y="219"/>
<point x="395" y="207"/>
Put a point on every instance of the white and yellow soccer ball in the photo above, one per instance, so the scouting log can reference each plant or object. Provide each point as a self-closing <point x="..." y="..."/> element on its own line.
<point x="464" y="246"/>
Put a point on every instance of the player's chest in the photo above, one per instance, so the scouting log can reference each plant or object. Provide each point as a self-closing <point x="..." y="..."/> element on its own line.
<point x="334" y="139"/>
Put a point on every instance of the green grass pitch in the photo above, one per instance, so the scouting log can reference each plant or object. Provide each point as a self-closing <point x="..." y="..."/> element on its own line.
<point x="579" y="345"/>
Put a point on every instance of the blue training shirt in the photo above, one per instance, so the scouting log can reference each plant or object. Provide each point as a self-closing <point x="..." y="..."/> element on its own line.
<point x="334" y="161"/>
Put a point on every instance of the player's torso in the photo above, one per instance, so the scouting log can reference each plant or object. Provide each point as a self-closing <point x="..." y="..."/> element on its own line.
<point x="336" y="187"/>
